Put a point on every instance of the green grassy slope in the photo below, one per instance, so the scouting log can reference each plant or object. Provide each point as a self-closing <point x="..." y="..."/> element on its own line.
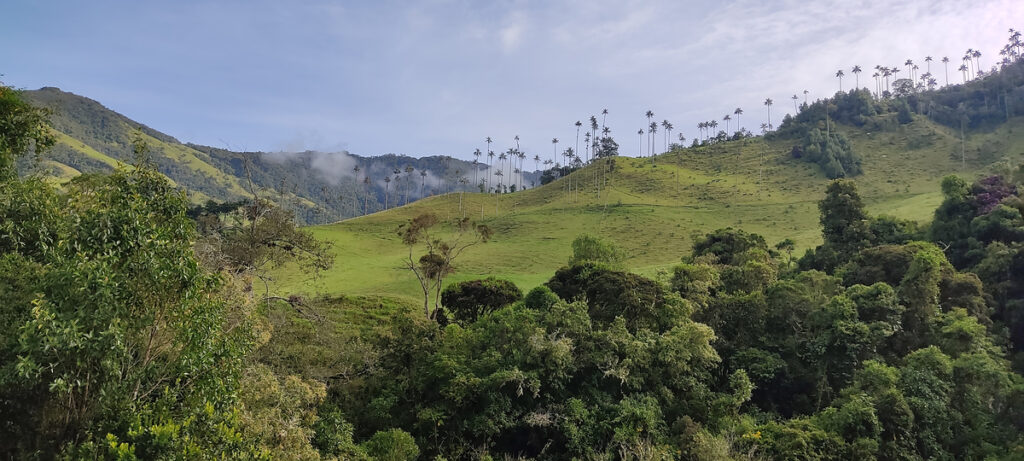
<point x="651" y="210"/>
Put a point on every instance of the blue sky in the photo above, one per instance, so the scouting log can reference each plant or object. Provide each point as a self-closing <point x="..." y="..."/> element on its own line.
<point x="437" y="77"/>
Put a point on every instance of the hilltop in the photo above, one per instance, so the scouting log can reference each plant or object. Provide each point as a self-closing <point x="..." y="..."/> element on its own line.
<point x="651" y="207"/>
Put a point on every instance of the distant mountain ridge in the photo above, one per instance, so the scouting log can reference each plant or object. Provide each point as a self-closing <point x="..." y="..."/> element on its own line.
<point x="320" y="187"/>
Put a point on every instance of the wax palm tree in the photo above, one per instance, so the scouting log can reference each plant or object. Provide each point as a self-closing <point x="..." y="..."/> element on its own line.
<point x="578" y="125"/>
<point x="726" y="119"/>
<point x="856" y="76"/>
<point x="640" y="144"/>
<point x="682" y="139"/>
<point x="768" y="103"/>
<point x="714" y="128"/>
<point x="977" y="59"/>
<point x="366" y="193"/>
<point x="664" y="133"/>
<point x="805" y="96"/>
<point x="536" y="162"/>
<point x="963" y="71"/>
<point x="554" y="147"/>
<point x="476" y="163"/>
<point x="490" y="164"/>
<point x="593" y="135"/>
<point x="839" y="74"/>
<point x="651" y="130"/>
<point x="928" y="64"/>
<point x="650" y="115"/>
<point x="795" y="98"/>
<point x="878" y="83"/>
<point x="945" y="64"/>
<point x="604" y="117"/>
<point x="387" y="182"/>
<point x="737" y="113"/>
<point x="909" y="64"/>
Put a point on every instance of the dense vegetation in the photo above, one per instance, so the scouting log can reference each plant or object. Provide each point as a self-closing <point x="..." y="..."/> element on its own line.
<point x="136" y="327"/>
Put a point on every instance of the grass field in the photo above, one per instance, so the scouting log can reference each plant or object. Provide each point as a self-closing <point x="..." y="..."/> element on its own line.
<point x="652" y="209"/>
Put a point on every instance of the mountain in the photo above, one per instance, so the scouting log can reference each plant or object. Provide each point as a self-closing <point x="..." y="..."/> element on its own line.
<point x="319" y="187"/>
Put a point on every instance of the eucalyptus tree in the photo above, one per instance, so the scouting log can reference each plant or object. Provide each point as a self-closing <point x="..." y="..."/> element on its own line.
<point x="768" y="103"/>
<point x="856" y="76"/>
<point x="945" y="64"/>
<point x="839" y="75"/>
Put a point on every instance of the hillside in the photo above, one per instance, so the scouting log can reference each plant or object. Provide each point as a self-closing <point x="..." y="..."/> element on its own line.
<point x="319" y="187"/>
<point x="651" y="208"/>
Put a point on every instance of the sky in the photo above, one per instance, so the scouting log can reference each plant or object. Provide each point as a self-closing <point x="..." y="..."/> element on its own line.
<point x="436" y="77"/>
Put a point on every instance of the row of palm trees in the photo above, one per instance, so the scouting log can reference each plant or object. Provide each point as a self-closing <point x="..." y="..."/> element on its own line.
<point x="970" y="68"/>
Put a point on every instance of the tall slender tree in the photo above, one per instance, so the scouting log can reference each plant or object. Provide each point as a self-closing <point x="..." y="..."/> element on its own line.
<point x="387" y="182"/>
<point x="476" y="164"/>
<point x="768" y="103"/>
<point x="604" y="117"/>
<point x="593" y="137"/>
<point x="664" y="133"/>
<point x="490" y="160"/>
<point x="640" y="145"/>
<point x="578" y="125"/>
<point x="554" y="147"/>
<point x="737" y="113"/>
<point x="726" y="119"/>
<point x="928" y="64"/>
<point x="651" y="130"/>
<point x="795" y="98"/>
<point x="839" y="75"/>
<point x="945" y="64"/>
<point x="856" y="76"/>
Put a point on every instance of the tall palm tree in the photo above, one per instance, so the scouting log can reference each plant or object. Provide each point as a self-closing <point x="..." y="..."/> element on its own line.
<point x="768" y="103"/>
<point x="578" y="125"/>
<point x="805" y="96"/>
<point x="700" y="130"/>
<point x="963" y="71"/>
<point x="387" y="182"/>
<point x="586" y="144"/>
<point x="490" y="170"/>
<point x="640" y="145"/>
<point x="651" y="130"/>
<point x="928" y="64"/>
<point x="490" y="160"/>
<point x="878" y="83"/>
<point x="650" y="115"/>
<point x="366" y="193"/>
<point x="604" y="117"/>
<point x="737" y="113"/>
<point x="664" y="133"/>
<point x="839" y="74"/>
<point x="554" y="147"/>
<point x="682" y="139"/>
<point x="856" y="76"/>
<point x="726" y="119"/>
<point x="593" y="135"/>
<point x="909" y="64"/>
<point x="945" y="63"/>
<point x="476" y="162"/>
<point x="795" y="97"/>
<point x="714" y="127"/>
<point x="536" y="162"/>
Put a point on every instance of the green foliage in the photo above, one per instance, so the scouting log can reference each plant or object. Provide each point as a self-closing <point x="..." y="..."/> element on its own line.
<point x="392" y="445"/>
<point x="588" y="248"/>
<point x="468" y="300"/>
<point x="24" y="128"/>
<point x="123" y="341"/>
